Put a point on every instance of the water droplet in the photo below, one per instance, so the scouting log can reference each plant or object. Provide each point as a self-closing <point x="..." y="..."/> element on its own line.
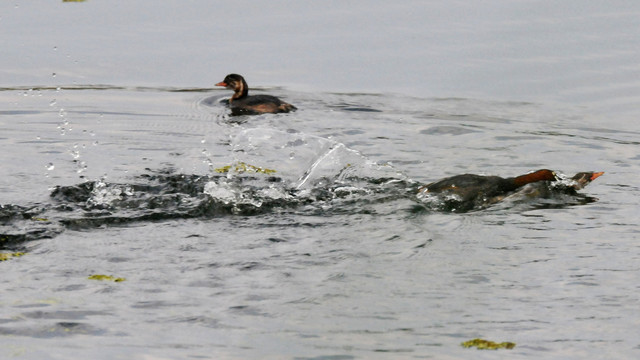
<point x="53" y="75"/>
<point x="82" y="167"/>
<point x="50" y="167"/>
<point x="203" y="141"/>
<point x="292" y="155"/>
<point x="38" y="137"/>
<point x="55" y="48"/>
<point x="53" y="102"/>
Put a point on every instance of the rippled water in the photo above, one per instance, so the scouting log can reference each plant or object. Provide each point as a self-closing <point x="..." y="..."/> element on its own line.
<point x="330" y="255"/>
<point x="300" y="236"/>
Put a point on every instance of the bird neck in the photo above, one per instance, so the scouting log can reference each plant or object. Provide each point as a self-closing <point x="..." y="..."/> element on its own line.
<point x="242" y="90"/>
<point x="540" y="175"/>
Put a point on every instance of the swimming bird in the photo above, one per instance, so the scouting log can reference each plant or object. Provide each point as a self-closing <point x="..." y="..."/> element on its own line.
<point x="241" y="103"/>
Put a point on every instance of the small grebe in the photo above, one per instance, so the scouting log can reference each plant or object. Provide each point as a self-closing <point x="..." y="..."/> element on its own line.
<point x="471" y="191"/>
<point x="243" y="104"/>
<point x="470" y="186"/>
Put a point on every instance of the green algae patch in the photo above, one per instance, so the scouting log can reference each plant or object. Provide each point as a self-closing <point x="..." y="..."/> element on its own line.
<point x="106" y="278"/>
<point x="243" y="167"/>
<point x="7" y="256"/>
<point x="482" y="344"/>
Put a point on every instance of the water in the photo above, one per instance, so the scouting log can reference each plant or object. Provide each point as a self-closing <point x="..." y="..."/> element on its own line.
<point x="300" y="236"/>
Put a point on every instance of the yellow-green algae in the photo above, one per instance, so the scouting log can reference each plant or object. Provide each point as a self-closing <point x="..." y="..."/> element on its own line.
<point x="7" y="256"/>
<point x="244" y="167"/>
<point x="106" y="278"/>
<point x="482" y="344"/>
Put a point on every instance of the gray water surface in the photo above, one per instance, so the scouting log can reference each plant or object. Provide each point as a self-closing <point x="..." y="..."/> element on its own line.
<point x="115" y="166"/>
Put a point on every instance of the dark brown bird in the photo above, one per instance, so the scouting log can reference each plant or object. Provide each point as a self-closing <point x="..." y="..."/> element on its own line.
<point x="241" y="103"/>
<point x="467" y="192"/>
<point x="471" y="186"/>
<point x="470" y="191"/>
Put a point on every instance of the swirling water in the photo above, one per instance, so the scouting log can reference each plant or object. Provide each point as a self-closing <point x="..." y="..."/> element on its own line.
<point x="300" y="236"/>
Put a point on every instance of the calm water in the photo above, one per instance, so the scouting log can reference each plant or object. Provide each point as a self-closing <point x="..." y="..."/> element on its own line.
<point x="299" y="236"/>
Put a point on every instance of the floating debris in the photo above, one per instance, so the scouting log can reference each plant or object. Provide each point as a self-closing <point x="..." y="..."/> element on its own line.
<point x="106" y="278"/>
<point x="482" y="344"/>
<point x="7" y="256"/>
<point x="242" y="167"/>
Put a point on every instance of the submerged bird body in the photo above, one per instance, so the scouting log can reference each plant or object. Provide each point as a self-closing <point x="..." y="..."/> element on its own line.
<point x="469" y="191"/>
<point x="471" y="187"/>
<point x="241" y="103"/>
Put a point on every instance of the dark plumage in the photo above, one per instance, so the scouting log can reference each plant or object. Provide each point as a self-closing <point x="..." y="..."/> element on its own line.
<point x="469" y="191"/>
<point x="241" y="103"/>
<point x="469" y="186"/>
